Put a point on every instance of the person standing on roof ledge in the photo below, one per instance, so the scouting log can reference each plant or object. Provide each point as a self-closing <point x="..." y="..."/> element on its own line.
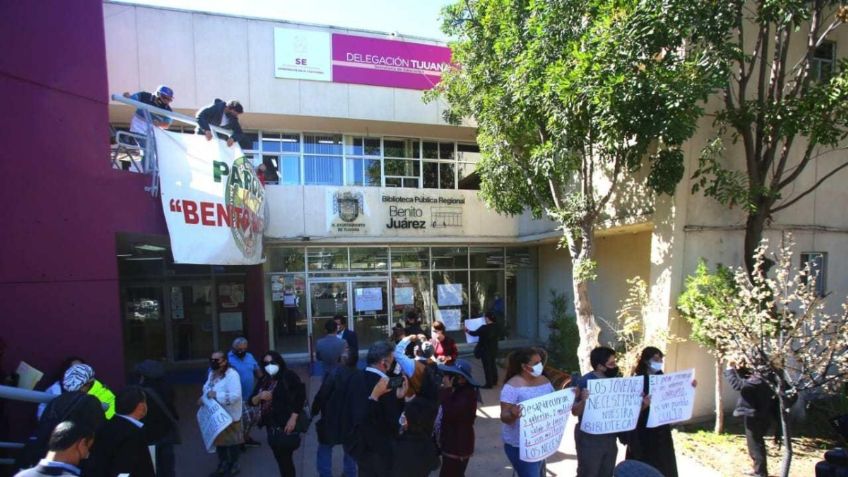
<point x="161" y="99"/>
<point x="223" y="115"/>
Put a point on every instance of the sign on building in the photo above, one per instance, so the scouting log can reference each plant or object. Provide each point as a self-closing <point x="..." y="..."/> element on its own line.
<point x="214" y="204"/>
<point x="302" y="54"/>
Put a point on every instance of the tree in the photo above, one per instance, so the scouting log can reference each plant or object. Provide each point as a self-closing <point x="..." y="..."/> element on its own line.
<point x="703" y="304"/>
<point x="777" y="321"/>
<point x="569" y="96"/>
<point x="788" y="111"/>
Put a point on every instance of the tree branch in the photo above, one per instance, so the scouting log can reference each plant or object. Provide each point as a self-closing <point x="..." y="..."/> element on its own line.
<point x="811" y="189"/>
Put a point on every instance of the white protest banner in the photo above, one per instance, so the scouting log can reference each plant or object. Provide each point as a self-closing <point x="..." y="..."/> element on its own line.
<point x="449" y="295"/>
<point x="473" y="324"/>
<point x="613" y="405"/>
<point x="212" y="419"/>
<point x="543" y="424"/>
<point x="672" y="397"/>
<point x="368" y="299"/>
<point x="28" y="376"/>
<point x="214" y="204"/>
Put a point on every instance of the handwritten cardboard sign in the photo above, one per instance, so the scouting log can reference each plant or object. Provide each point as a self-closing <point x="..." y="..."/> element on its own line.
<point x="672" y="397"/>
<point x="542" y="424"/>
<point x="212" y="419"/>
<point x="613" y="405"/>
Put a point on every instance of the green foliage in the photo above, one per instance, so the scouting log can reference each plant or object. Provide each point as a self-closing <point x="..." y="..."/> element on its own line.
<point x="564" y="90"/>
<point x="585" y="270"/>
<point x="705" y="301"/>
<point x="564" y="337"/>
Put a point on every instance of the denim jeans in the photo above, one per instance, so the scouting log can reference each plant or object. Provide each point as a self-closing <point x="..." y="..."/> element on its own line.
<point x="324" y="462"/>
<point x="522" y="468"/>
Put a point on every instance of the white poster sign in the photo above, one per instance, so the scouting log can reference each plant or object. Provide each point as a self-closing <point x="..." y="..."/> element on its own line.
<point x="368" y="299"/>
<point x="449" y="294"/>
<point x="543" y="424"/>
<point x="473" y="324"/>
<point x="404" y="296"/>
<point x="212" y="419"/>
<point x="613" y="405"/>
<point x="302" y="54"/>
<point x="28" y="376"/>
<point x="672" y="397"/>
<point x="214" y="204"/>
<point x="452" y="319"/>
<point x="277" y="287"/>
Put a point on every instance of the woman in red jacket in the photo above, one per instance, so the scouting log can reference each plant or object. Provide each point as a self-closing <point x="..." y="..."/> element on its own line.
<point x="456" y="418"/>
<point x="444" y="347"/>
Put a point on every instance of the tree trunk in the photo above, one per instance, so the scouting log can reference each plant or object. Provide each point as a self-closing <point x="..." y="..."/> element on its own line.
<point x="719" y="401"/>
<point x="786" y="463"/>
<point x="580" y="249"/>
<point x="754" y="227"/>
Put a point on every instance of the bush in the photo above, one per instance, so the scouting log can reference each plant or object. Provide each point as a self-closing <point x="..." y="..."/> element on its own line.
<point x="564" y="336"/>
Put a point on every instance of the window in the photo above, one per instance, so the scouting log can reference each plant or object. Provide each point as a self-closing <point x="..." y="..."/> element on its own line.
<point x="402" y="165"/>
<point x="468" y="156"/>
<point x="817" y="261"/>
<point x="440" y="171"/>
<point x="322" y="159"/>
<point x="362" y="161"/>
<point x="824" y="62"/>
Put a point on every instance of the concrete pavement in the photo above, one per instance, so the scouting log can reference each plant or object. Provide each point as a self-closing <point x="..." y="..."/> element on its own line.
<point x="488" y="460"/>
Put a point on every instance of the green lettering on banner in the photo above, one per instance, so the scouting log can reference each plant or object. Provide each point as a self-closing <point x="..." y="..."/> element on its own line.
<point x="219" y="169"/>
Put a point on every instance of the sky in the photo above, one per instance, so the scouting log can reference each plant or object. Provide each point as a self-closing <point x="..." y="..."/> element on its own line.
<point x="406" y="17"/>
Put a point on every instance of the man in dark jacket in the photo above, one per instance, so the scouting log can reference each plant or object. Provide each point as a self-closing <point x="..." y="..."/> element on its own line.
<point x="223" y="115"/>
<point x="120" y="446"/>
<point x="160" y="424"/>
<point x="755" y="407"/>
<point x="69" y="445"/>
<point x="350" y="337"/>
<point x="375" y="408"/>
<point x="335" y="422"/>
<point x="487" y="348"/>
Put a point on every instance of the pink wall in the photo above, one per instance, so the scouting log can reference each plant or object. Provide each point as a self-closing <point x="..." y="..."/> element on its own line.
<point x="62" y="203"/>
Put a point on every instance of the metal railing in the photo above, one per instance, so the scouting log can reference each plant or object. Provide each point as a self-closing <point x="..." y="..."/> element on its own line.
<point x="140" y="149"/>
<point x="25" y="395"/>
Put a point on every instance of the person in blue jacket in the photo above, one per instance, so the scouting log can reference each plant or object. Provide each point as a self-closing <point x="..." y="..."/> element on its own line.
<point x="221" y="114"/>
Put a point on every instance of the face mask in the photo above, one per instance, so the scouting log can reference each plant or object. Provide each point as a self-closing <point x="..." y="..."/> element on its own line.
<point x="240" y="353"/>
<point x="272" y="369"/>
<point x="537" y="369"/>
<point x="215" y="365"/>
<point x="455" y="382"/>
<point x="611" y="372"/>
<point x="656" y="367"/>
<point x="232" y="116"/>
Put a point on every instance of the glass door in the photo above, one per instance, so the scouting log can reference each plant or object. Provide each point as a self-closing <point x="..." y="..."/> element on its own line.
<point x="191" y="320"/>
<point x="370" y="310"/>
<point x="144" y="323"/>
<point x="326" y="300"/>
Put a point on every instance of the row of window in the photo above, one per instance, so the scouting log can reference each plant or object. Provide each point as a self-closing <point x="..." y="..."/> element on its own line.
<point x="336" y="160"/>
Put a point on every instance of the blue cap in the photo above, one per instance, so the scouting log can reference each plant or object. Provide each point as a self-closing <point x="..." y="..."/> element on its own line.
<point x="163" y="90"/>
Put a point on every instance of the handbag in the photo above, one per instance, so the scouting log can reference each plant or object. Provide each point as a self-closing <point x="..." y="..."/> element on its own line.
<point x="277" y="437"/>
<point x="303" y="420"/>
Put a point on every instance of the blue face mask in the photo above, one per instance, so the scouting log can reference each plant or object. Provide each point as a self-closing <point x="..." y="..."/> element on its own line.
<point x="656" y="367"/>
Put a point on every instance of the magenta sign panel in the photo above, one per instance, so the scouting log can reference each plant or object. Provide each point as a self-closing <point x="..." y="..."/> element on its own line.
<point x="392" y="63"/>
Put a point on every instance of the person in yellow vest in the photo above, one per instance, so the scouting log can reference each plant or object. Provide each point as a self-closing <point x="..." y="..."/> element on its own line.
<point x="80" y="377"/>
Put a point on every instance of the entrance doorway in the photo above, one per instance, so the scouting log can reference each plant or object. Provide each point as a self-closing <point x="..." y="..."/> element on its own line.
<point x="364" y="302"/>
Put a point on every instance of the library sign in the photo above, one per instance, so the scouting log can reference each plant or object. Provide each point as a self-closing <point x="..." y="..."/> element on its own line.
<point x="358" y="212"/>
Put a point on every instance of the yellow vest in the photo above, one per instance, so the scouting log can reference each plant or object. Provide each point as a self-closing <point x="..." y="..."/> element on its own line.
<point x="105" y="396"/>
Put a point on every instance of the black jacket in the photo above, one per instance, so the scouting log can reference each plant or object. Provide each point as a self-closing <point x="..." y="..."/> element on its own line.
<point x="352" y="346"/>
<point x="119" y="448"/>
<point x="212" y="115"/>
<point x="414" y="455"/>
<point x="331" y="402"/>
<point x="376" y="422"/>
<point x="488" y="344"/>
<point x="159" y="428"/>
<point x="755" y="396"/>
<point x="288" y="397"/>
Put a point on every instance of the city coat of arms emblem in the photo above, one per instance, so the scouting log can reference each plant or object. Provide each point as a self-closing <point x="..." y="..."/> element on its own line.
<point x="348" y="205"/>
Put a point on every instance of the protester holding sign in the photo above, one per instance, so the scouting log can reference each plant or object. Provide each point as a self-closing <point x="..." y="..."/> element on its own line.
<point x="523" y="381"/>
<point x="653" y="446"/>
<point x="224" y="386"/>
<point x="596" y="453"/>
